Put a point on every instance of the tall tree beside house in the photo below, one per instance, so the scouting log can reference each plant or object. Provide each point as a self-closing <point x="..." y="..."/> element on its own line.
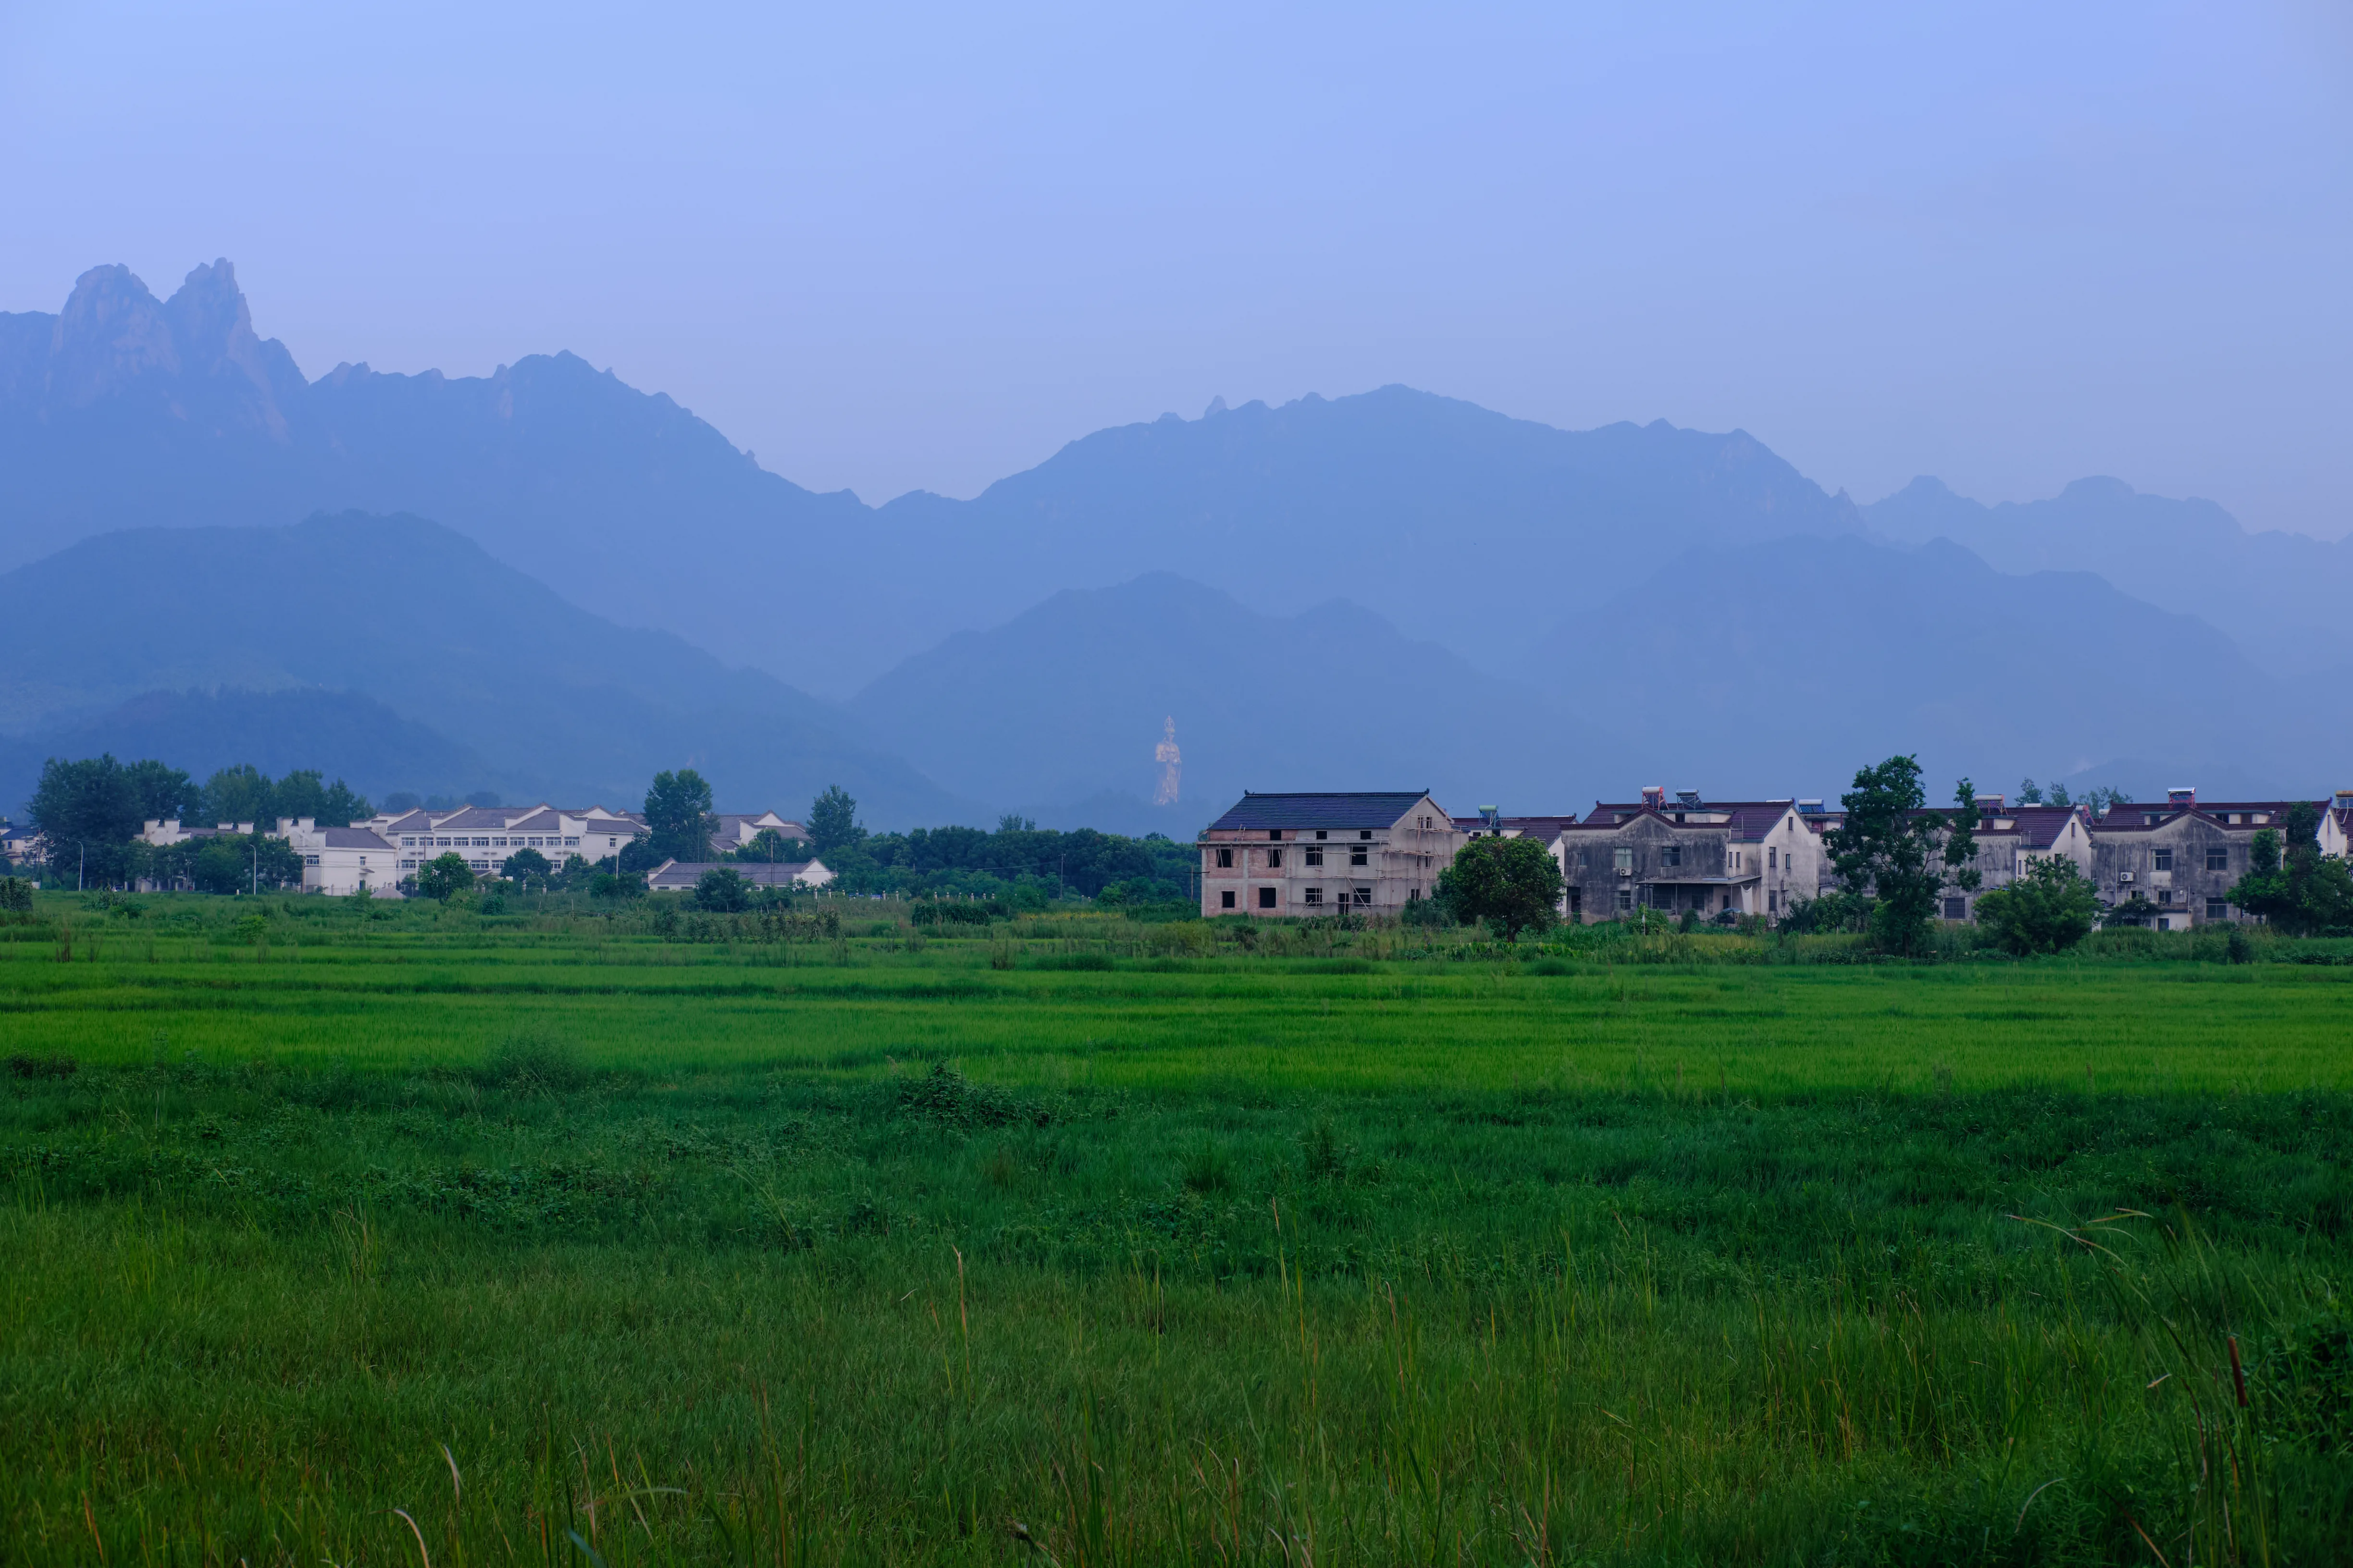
<point x="1899" y="852"/>
<point x="833" y="821"/>
<point x="238" y="793"/>
<point x="165" y="794"/>
<point x="528" y="867"/>
<point x="771" y="847"/>
<point x="678" y="820"/>
<point x="444" y="877"/>
<point x="2290" y="883"/>
<point x="1961" y="841"/>
<point x="88" y="814"/>
<point x="1513" y="884"/>
<point x="303" y="793"/>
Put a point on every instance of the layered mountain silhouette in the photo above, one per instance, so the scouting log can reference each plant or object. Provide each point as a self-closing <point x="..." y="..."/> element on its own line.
<point x="2285" y="598"/>
<point x="1361" y="591"/>
<point x="1063" y="704"/>
<point x="416" y="617"/>
<point x="124" y="411"/>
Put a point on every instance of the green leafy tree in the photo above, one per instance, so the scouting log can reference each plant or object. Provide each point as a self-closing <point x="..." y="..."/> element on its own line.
<point x="722" y="890"/>
<point x="164" y="792"/>
<point x="770" y="848"/>
<point x="1513" y="884"/>
<point x="87" y="813"/>
<point x="1901" y="855"/>
<point x="528" y="867"/>
<point x="444" y="877"/>
<point x="833" y="821"/>
<point x="2291" y="884"/>
<point x="678" y="820"/>
<point x="239" y="793"/>
<point x="2048" y="910"/>
<point x="2029" y="792"/>
<point x="232" y="863"/>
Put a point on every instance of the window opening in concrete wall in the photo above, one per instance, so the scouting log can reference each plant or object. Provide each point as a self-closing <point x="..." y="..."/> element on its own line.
<point x="1226" y="900"/>
<point x="2164" y="860"/>
<point x="2218" y="859"/>
<point x="1266" y="898"/>
<point x="1225" y="859"/>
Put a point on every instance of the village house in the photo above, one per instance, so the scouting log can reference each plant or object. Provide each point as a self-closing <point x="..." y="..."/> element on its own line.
<point x="2178" y="861"/>
<point x="2010" y="839"/>
<point x="1369" y="852"/>
<point x="1715" y="858"/>
<point x="344" y="860"/>
<point x="736" y="831"/>
<point x="486" y="836"/>
<point x="681" y="876"/>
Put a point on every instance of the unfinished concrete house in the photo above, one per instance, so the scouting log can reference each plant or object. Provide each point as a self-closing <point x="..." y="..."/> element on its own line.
<point x="1711" y="858"/>
<point x="2175" y="864"/>
<point x="1304" y="855"/>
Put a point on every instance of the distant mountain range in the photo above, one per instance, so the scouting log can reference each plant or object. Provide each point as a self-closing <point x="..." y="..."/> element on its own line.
<point x="482" y="667"/>
<point x="1380" y="590"/>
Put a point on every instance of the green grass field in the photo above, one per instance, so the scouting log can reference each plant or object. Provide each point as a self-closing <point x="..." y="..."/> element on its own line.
<point x="551" y="1237"/>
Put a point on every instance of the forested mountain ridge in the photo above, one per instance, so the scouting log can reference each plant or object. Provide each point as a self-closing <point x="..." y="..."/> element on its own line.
<point x="421" y="620"/>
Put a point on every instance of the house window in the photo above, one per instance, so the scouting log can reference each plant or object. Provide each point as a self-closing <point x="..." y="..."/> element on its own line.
<point x="1957" y="908"/>
<point x="2164" y="860"/>
<point x="1772" y="859"/>
<point x="1319" y="833"/>
<point x="1625" y="897"/>
<point x="1364" y="833"/>
<point x="1623" y="859"/>
<point x="1315" y="896"/>
<point x="309" y="859"/>
<point x="1364" y="897"/>
<point x="1266" y="898"/>
<point x="2217" y="858"/>
<point x="1314" y="855"/>
<point x="1671" y="856"/>
<point x="2165" y="895"/>
<point x="1226" y="900"/>
<point x="1225" y="861"/>
<point x="2217" y="909"/>
<point x="1772" y="903"/>
<point x="1274" y="835"/>
<point x="1275" y="859"/>
<point x="1356" y="856"/>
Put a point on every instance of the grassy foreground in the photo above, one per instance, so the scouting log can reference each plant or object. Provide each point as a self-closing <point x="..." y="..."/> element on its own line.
<point x="545" y="1238"/>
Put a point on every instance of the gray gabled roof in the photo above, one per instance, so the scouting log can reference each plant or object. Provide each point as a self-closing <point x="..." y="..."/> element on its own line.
<point x="1368" y="808"/>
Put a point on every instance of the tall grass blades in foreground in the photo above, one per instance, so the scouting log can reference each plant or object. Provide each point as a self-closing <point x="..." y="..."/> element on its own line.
<point x="528" y="1244"/>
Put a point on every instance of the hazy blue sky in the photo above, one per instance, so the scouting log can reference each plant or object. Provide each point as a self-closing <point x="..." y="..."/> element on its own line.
<point x="900" y="247"/>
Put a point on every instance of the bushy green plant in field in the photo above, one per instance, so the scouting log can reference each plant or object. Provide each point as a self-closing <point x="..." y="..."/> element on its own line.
<point x="2048" y="910"/>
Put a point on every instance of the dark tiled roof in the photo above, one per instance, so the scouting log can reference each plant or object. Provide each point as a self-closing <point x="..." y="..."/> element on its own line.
<point x="1374" y="808"/>
<point x="2132" y="818"/>
<point x="1744" y="819"/>
<point x="474" y="819"/>
<point x="351" y="838"/>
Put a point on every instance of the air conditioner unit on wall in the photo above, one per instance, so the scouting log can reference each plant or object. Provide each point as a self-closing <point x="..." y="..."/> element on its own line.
<point x="2123" y="875"/>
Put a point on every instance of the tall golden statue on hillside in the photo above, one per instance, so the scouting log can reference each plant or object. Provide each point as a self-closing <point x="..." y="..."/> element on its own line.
<point x="1172" y="764"/>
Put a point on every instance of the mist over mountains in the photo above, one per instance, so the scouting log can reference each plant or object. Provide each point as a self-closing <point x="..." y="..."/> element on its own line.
<point x="1389" y="589"/>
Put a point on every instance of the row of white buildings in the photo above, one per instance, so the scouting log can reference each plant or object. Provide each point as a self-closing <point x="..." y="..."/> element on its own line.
<point x="385" y="852"/>
<point x="1303" y="855"/>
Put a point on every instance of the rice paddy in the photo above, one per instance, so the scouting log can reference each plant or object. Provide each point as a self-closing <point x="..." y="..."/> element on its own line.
<point x="557" y="1237"/>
